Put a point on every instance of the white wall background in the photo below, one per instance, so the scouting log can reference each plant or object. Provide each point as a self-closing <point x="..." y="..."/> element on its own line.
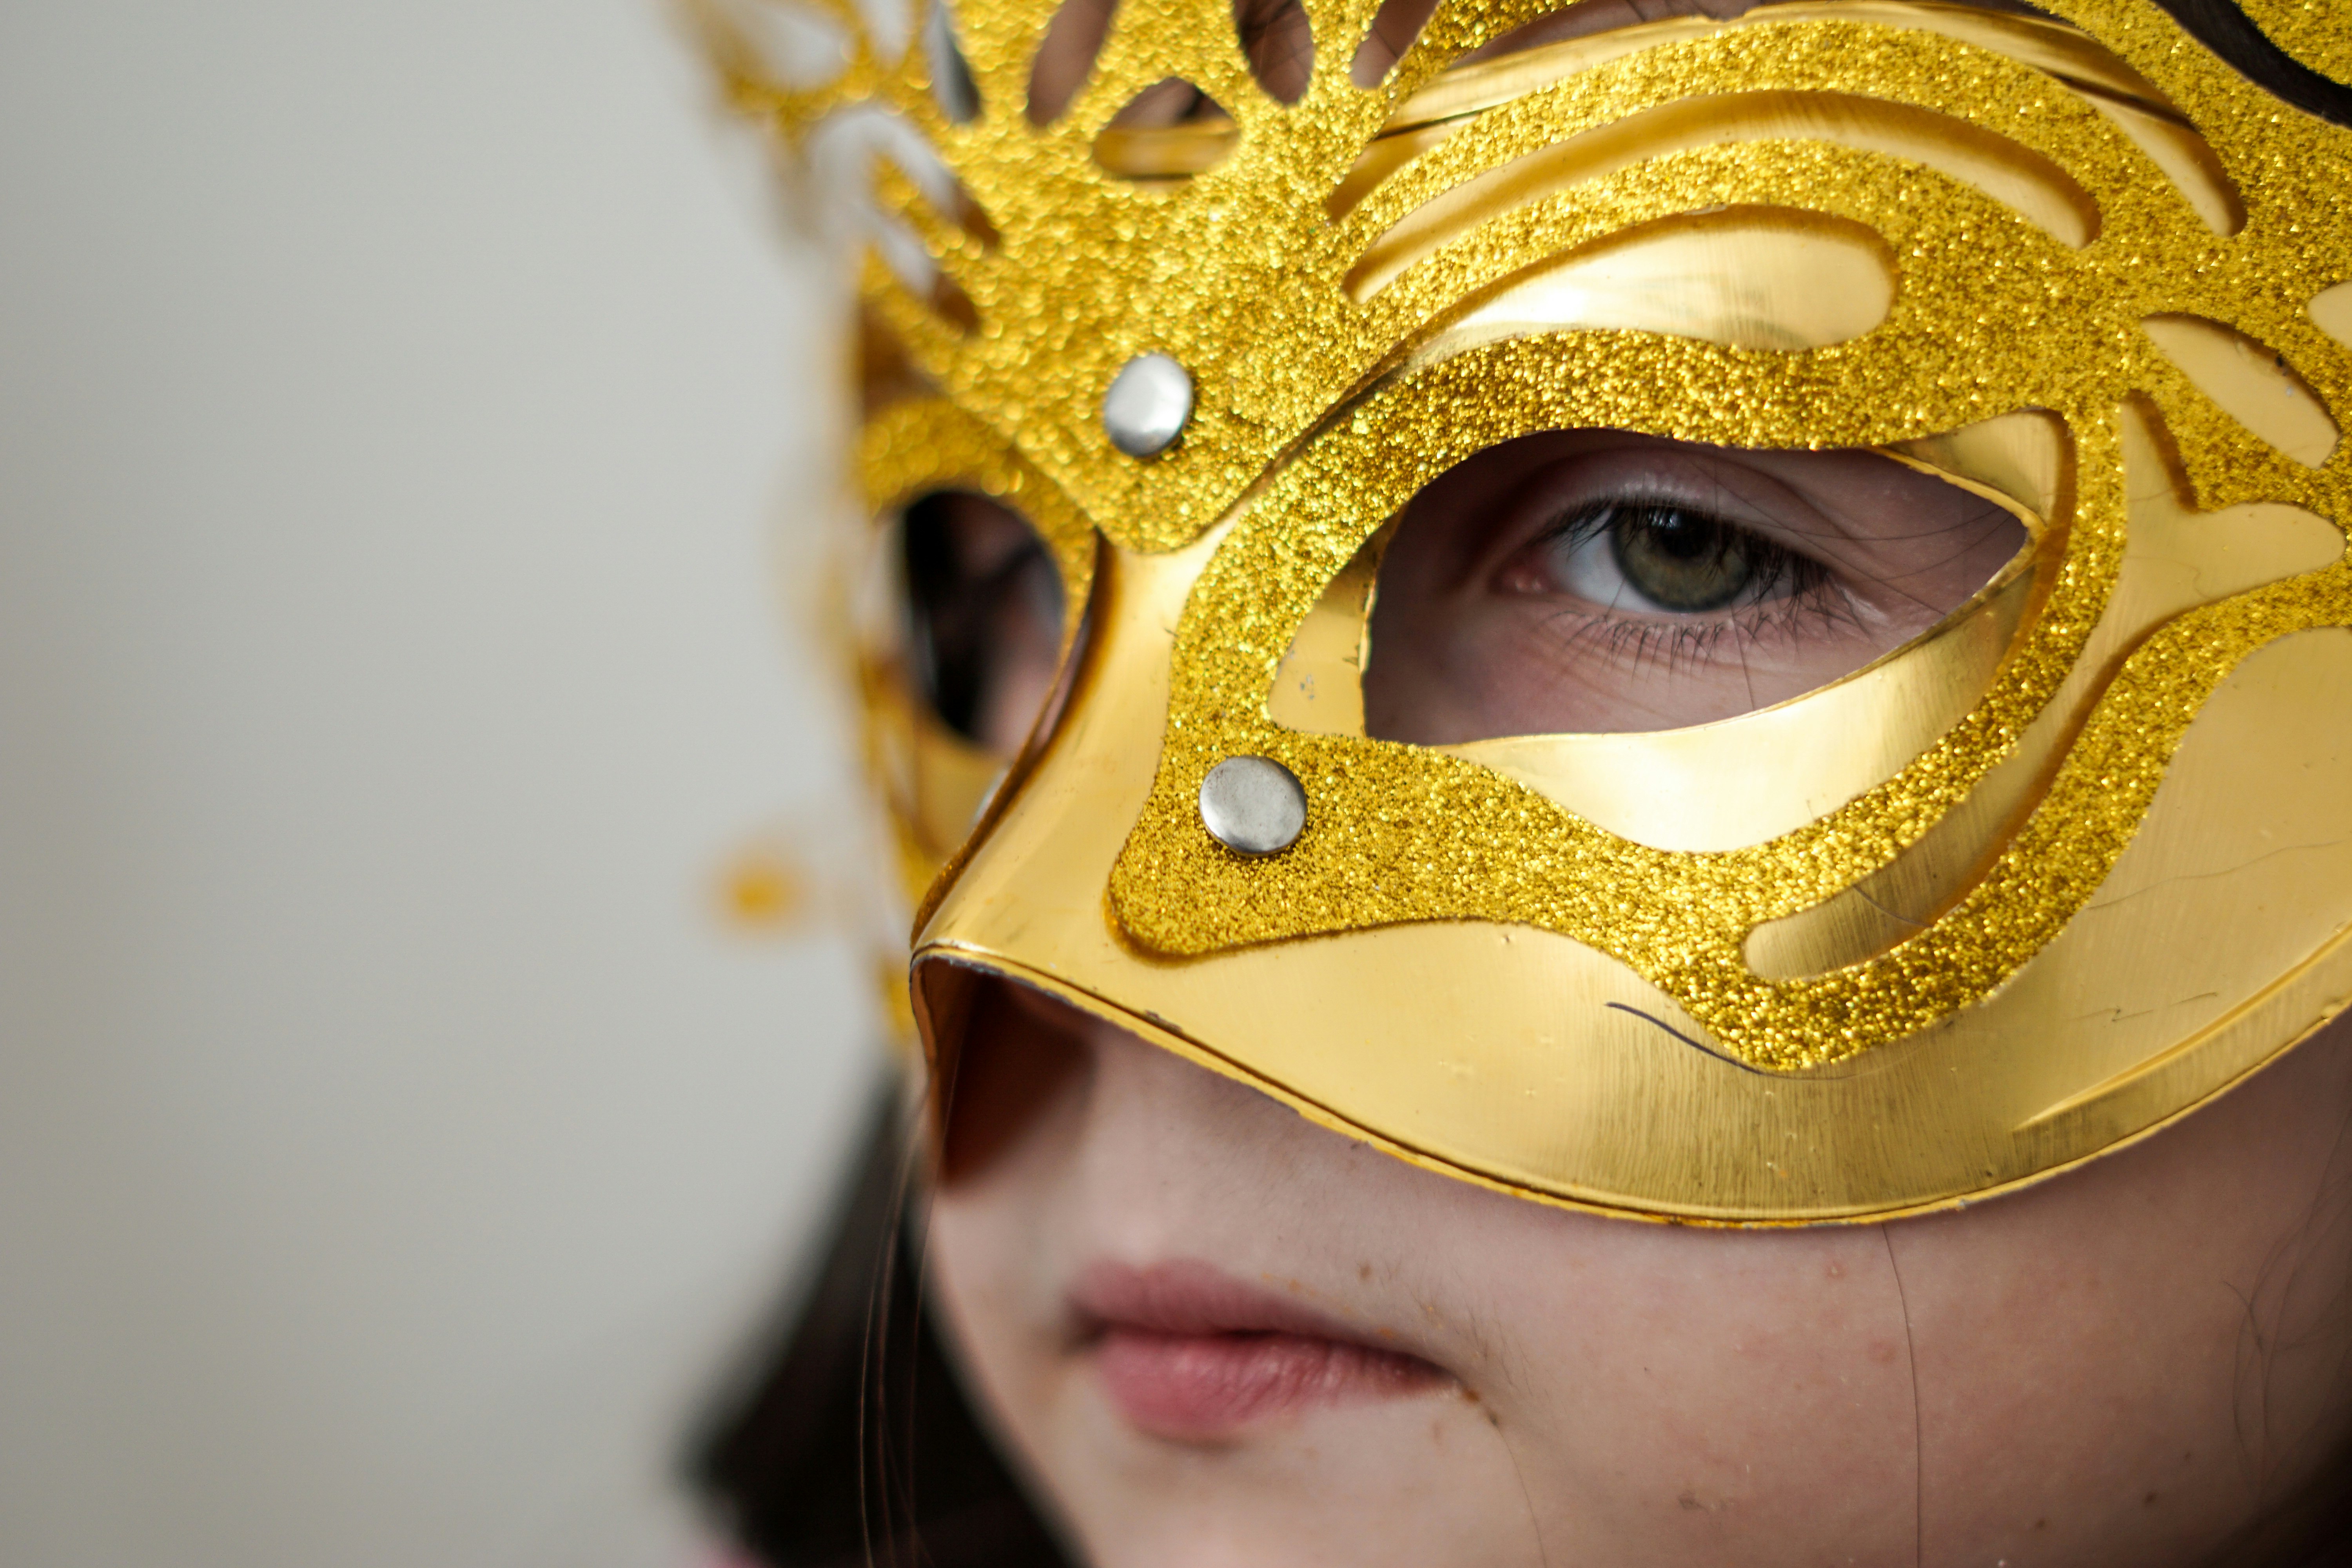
<point x="396" y="402"/>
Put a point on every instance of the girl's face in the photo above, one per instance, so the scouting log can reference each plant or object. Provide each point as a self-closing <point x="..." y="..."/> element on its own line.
<point x="1214" y="1333"/>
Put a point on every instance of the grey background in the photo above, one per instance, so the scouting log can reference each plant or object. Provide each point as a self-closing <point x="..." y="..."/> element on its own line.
<point x="411" y="423"/>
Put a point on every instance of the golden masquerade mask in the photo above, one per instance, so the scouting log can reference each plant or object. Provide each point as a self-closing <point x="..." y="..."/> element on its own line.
<point x="1990" y="366"/>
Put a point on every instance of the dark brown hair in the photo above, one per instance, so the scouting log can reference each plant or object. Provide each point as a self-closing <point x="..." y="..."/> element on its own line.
<point x="852" y="1442"/>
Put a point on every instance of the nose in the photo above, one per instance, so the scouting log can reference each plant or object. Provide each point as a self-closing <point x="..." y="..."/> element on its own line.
<point x="1053" y="1100"/>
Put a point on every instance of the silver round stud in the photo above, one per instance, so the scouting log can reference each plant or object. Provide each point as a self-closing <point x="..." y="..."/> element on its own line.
<point x="1253" y="805"/>
<point x="1149" y="402"/>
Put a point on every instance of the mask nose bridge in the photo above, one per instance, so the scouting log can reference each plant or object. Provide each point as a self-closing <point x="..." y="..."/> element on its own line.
<point x="950" y="989"/>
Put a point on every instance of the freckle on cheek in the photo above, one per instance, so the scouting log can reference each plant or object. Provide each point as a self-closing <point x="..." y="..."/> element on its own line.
<point x="1883" y="1351"/>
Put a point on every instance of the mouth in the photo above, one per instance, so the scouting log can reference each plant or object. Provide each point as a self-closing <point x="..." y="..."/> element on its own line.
<point x="1187" y="1352"/>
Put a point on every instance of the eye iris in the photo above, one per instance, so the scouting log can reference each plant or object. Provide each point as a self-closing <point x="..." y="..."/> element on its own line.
<point x="1679" y="561"/>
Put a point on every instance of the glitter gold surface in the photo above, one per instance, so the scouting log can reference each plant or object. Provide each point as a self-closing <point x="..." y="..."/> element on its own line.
<point x="2314" y="31"/>
<point x="1404" y="833"/>
<point x="933" y="782"/>
<point x="2044" y="193"/>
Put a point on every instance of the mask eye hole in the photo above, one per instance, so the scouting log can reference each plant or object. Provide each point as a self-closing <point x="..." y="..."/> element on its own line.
<point x="1597" y="582"/>
<point x="983" y="606"/>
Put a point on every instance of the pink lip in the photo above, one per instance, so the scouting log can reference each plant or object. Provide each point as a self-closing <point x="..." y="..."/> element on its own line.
<point x="1187" y="1352"/>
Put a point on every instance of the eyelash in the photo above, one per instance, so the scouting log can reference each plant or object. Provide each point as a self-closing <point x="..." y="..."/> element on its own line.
<point x="1814" y="595"/>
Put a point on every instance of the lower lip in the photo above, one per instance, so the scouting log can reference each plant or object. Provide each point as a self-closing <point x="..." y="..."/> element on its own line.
<point x="1201" y="1387"/>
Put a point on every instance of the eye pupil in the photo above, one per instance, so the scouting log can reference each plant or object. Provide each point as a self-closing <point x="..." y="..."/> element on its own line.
<point x="1681" y="536"/>
<point x="1681" y="561"/>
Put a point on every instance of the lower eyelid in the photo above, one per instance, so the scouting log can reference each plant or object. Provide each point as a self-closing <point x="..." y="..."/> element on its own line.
<point x="1822" y="600"/>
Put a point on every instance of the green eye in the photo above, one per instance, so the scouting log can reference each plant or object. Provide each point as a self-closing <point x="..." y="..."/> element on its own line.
<point x="1682" y="561"/>
<point x="1668" y="558"/>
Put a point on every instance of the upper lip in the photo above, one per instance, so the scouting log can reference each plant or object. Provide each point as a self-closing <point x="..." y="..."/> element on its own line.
<point x="1186" y="1297"/>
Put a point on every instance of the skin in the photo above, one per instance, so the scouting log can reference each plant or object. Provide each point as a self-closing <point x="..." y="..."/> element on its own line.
<point x="2135" y="1361"/>
<point x="1491" y="622"/>
<point x="2142" y="1360"/>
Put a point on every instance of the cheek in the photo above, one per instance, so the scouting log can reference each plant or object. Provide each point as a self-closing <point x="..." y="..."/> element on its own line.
<point x="989" y="1259"/>
<point x="1694" y="1392"/>
<point x="2125" y="1356"/>
<point x="984" y="1279"/>
<point x="973" y="1248"/>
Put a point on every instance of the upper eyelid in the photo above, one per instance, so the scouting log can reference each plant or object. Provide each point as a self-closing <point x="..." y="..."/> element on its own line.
<point x="1655" y="488"/>
<point x="1776" y="511"/>
<point x="1586" y="522"/>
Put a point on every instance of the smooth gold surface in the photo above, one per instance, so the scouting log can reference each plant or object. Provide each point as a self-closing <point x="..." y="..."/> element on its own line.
<point x="2175" y="558"/>
<point x="2250" y="383"/>
<point x="1320" y="686"/>
<point x="1749" y="278"/>
<point x="2184" y="156"/>
<point x="2022" y="890"/>
<point x="2331" y="313"/>
<point x="1794" y="762"/>
<point x="2004" y="169"/>
<point x="934" y="784"/>
<point x="2025" y="456"/>
<point x="1165" y="152"/>
<point x="1506" y="1054"/>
